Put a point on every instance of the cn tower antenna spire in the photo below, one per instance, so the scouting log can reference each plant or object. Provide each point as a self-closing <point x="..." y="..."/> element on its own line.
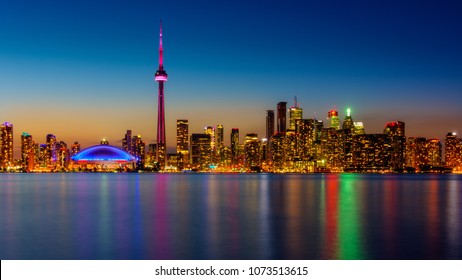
<point x="161" y="49"/>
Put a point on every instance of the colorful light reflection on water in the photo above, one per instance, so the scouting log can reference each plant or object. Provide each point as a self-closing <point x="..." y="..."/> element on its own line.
<point x="204" y="216"/>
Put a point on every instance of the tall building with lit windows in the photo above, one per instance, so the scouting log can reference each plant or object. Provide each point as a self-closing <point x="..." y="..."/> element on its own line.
<point x="331" y="150"/>
<point x="139" y="151"/>
<point x="318" y="126"/>
<point x="269" y="124"/>
<point x="220" y="144"/>
<point x="304" y="133"/>
<point x="210" y="130"/>
<point x="434" y="151"/>
<point x="396" y="132"/>
<point x="234" y="146"/>
<point x="252" y="152"/>
<point x="75" y="149"/>
<point x="346" y="139"/>
<point x="127" y="142"/>
<point x="219" y="137"/>
<point x="358" y="128"/>
<point x="151" y="156"/>
<point x="278" y="152"/>
<point x="62" y="157"/>
<point x="334" y="119"/>
<point x="182" y="139"/>
<point x="201" y="152"/>
<point x="6" y="145"/>
<point x="27" y="152"/>
<point x="348" y="122"/>
<point x="304" y="138"/>
<point x="372" y="152"/>
<point x="42" y="162"/>
<point x="282" y="117"/>
<point x="452" y="150"/>
<point x="269" y="134"/>
<point x="295" y="113"/>
<point x="395" y="128"/>
<point x="416" y="153"/>
<point x="51" y="152"/>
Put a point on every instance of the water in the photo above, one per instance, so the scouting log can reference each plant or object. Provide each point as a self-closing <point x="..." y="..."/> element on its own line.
<point x="204" y="216"/>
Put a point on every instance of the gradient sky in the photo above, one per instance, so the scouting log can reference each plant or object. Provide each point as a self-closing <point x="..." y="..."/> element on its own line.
<point x="83" y="70"/>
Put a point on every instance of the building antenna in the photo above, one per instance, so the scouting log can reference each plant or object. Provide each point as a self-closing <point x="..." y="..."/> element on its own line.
<point x="161" y="49"/>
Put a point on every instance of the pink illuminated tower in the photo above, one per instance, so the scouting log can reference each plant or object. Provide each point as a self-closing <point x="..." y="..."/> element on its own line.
<point x="161" y="77"/>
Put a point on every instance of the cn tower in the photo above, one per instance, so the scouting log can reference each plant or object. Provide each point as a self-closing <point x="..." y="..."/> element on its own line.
<point x="161" y="78"/>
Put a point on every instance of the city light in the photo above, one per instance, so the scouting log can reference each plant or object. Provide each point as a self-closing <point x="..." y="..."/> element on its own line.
<point x="297" y="145"/>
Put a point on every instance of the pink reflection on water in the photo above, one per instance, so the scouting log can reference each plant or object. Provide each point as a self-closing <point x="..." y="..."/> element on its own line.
<point x="432" y="221"/>
<point x="293" y="206"/>
<point x="10" y="222"/>
<point x="390" y="215"/>
<point x="233" y="217"/>
<point x="331" y="231"/>
<point x="161" y="219"/>
<point x="214" y="227"/>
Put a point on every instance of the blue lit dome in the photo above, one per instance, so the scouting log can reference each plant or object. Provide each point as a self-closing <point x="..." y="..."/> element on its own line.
<point x="103" y="153"/>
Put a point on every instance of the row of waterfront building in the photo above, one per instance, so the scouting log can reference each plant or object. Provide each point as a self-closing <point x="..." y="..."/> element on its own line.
<point x="306" y="145"/>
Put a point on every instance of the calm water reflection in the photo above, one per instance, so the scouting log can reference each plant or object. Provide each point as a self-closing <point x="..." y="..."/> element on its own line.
<point x="203" y="216"/>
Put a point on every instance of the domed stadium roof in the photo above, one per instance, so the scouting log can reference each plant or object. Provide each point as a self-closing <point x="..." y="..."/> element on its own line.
<point x="103" y="153"/>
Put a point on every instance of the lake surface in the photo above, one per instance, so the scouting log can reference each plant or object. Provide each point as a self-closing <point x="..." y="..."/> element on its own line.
<point x="235" y="216"/>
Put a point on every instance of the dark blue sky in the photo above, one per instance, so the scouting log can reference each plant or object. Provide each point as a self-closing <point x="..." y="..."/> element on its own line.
<point x="84" y="70"/>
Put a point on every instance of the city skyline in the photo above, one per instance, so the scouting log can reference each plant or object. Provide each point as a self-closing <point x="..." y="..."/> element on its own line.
<point x="98" y="75"/>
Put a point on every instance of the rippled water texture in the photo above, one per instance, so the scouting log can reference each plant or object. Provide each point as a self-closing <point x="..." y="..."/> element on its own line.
<point x="204" y="216"/>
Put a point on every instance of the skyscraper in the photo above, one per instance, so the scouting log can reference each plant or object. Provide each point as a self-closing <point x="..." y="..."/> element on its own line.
<point x="295" y="113"/>
<point x="348" y="130"/>
<point x="395" y="128"/>
<point x="348" y="122"/>
<point x="6" y="145"/>
<point x="278" y="151"/>
<point x="42" y="156"/>
<point x="358" y="128"/>
<point x="304" y="132"/>
<point x="151" y="156"/>
<point x="281" y="117"/>
<point x="201" y="152"/>
<point x="219" y="137"/>
<point x="27" y="152"/>
<point x="396" y="132"/>
<point x="50" y="154"/>
<point x="182" y="139"/>
<point x="331" y="150"/>
<point x="127" y="142"/>
<point x="416" y="153"/>
<point x="75" y="148"/>
<point x="334" y="120"/>
<point x="161" y="78"/>
<point x="62" y="155"/>
<point x="234" y="145"/>
<point x="434" y="150"/>
<point x="210" y="130"/>
<point x="269" y="124"/>
<point x="252" y="149"/>
<point x="452" y="150"/>
<point x="139" y="148"/>
<point x="372" y="152"/>
<point x="318" y="126"/>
